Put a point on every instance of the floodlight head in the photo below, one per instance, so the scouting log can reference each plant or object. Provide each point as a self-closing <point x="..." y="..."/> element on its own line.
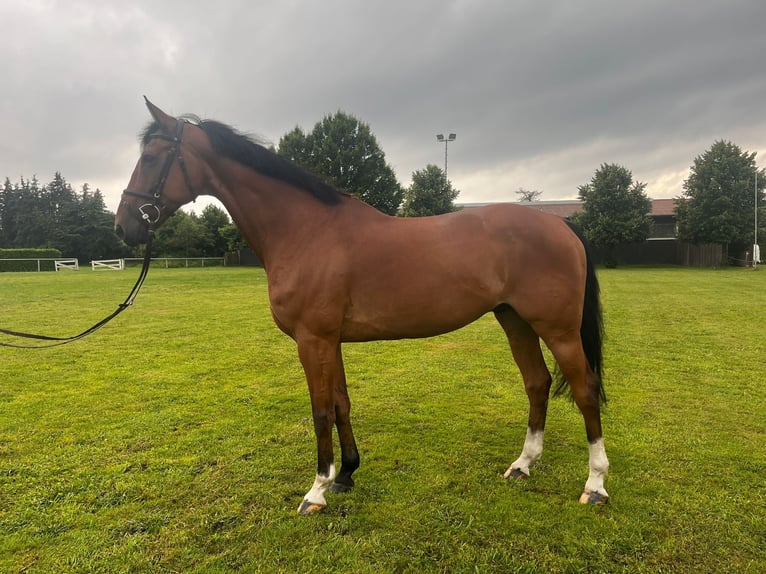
<point x="440" y="137"/>
<point x="452" y="137"/>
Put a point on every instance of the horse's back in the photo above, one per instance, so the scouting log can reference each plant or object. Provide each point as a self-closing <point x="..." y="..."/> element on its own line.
<point x="413" y="277"/>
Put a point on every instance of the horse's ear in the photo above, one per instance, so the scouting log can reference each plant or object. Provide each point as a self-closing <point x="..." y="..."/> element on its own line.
<point x="166" y="121"/>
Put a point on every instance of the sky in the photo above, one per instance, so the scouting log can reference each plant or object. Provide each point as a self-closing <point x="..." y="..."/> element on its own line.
<point x="539" y="94"/>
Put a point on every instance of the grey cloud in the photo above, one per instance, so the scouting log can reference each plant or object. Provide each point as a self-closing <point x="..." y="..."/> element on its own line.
<point x="540" y="94"/>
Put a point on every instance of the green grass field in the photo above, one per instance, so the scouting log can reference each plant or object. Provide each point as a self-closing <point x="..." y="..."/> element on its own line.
<point x="179" y="437"/>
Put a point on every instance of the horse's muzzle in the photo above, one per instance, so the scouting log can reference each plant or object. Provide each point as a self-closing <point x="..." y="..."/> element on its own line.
<point x="132" y="234"/>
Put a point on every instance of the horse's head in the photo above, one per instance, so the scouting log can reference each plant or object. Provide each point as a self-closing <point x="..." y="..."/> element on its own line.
<point x="168" y="175"/>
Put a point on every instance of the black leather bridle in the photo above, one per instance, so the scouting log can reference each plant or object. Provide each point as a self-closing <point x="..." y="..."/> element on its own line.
<point x="155" y="197"/>
<point x="156" y="204"/>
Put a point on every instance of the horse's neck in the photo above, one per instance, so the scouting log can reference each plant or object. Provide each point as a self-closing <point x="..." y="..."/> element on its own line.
<point x="271" y="215"/>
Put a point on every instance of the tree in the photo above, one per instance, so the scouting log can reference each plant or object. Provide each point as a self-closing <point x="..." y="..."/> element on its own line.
<point x="96" y="238"/>
<point x="429" y="194"/>
<point x="615" y="210"/>
<point x="27" y="213"/>
<point x="718" y="201"/>
<point x="7" y="198"/>
<point x="63" y="219"/>
<point x="296" y="147"/>
<point x="233" y="237"/>
<point x="528" y="195"/>
<point x="183" y="235"/>
<point x="213" y="218"/>
<point x="344" y="150"/>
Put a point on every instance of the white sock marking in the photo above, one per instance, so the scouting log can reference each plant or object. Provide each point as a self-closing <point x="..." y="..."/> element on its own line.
<point x="533" y="448"/>
<point x="321" y="484"/>
<point x="599" y="465"/>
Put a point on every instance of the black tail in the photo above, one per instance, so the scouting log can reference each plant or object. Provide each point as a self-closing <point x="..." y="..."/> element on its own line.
<point x="592" y="327"/>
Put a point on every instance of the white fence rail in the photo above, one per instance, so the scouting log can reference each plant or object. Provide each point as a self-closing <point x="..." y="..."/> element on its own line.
<point x="72" y="264"/>
<point x="39" y="264"/>
<point x="54" y="264"/>
<point x="168" y="262"/>
<point x="112" y="264"/>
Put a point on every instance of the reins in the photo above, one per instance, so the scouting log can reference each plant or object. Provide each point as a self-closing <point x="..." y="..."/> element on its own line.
<point x="156" y="204"/>
<point x="56" y="341"/>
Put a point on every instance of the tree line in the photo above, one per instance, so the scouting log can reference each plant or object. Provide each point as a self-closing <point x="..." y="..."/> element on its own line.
<point x="78" y="224"/>
<point x="715" y="206"/>
<point x="55" y="216"/>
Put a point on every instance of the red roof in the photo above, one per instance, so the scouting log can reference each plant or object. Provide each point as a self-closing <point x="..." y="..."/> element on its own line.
<point x="560" y="208"/>
<point x="663" y="207"/>
<point x="566" y="208"/>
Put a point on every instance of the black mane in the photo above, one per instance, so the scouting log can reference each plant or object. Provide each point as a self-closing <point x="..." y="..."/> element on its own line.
<point x="229" y="143"/>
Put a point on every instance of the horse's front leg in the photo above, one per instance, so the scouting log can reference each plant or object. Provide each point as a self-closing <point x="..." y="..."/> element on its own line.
<point x="319" y="358"/>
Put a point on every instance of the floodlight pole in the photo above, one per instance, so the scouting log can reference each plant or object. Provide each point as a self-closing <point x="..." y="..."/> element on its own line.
<point x="756" y="250"/>
<point x="450" y="138"/>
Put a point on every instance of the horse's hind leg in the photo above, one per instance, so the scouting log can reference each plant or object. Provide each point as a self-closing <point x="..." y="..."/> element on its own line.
<point x="586" y="391"/>
<point x="349" y="453"/>
<point x="525" y="346"/>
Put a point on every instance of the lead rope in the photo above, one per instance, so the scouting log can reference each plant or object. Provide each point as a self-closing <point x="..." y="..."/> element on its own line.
<point x="56" y="341"/>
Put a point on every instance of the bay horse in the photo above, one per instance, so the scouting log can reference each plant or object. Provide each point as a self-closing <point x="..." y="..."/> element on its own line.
<point x="341" y="271"/>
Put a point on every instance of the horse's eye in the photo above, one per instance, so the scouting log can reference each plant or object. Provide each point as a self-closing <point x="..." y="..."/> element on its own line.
<point x="148" y="160"/>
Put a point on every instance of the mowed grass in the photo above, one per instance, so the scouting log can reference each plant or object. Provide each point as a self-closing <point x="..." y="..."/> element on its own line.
<point x="179" y="437"/>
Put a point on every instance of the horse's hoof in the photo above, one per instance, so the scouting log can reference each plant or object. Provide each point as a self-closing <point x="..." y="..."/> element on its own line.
<point x="594" y="497"/>
<point x="519" y="474"/>
<point x="515" y="473"/>
<point x="340" y="488"/>
<point x="307" y="507"/>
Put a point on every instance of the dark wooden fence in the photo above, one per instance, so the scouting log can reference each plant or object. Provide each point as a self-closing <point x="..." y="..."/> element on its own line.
<point x="668" y="252"/>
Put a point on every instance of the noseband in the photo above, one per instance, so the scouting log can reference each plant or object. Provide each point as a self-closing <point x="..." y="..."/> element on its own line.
<point x="151" y="212"/>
